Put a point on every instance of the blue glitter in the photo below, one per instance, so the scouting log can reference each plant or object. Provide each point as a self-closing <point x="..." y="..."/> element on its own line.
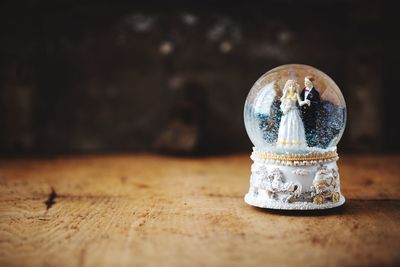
<point x="269" y="124"/>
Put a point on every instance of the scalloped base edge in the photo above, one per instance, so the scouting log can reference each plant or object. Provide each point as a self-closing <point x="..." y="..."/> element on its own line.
<point x="278" y="205"/>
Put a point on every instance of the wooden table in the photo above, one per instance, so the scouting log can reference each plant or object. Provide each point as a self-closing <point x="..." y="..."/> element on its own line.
<point x="147" y="210"/>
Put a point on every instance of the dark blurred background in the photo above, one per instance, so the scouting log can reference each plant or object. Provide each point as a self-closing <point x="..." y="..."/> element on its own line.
<point x="172" y="76"/>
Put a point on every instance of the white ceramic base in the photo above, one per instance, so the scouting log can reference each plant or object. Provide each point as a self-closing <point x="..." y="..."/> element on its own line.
<point x="287" y="183"/>
<point x="278" y="205"/>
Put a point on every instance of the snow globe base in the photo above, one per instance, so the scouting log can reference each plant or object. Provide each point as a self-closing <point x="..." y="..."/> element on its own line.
<point x="290" y="181"/>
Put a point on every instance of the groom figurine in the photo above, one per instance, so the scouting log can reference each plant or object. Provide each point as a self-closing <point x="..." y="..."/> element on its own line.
<point x="312" y="100"/>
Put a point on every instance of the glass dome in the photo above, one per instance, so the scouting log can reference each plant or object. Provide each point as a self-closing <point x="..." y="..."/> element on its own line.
<point x="295" y="108"/>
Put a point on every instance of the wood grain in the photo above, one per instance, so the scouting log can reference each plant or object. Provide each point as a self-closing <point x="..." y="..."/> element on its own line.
<point x="146" y="210"/>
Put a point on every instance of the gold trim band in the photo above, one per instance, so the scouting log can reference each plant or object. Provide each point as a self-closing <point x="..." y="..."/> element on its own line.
<point x="296" y="157"/>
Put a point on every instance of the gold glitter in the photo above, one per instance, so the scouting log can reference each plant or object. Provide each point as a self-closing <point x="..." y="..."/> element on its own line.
<point x="290" y="143"/>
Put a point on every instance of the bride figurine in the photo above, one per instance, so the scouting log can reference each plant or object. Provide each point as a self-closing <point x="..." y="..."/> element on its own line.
<point x="291" y="129"/>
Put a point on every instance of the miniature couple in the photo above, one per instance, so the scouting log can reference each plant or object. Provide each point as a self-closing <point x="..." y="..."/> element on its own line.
<point x="292" y="129"/>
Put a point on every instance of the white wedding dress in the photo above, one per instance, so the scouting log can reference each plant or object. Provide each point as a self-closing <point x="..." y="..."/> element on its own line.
<point x="291" y="129"/>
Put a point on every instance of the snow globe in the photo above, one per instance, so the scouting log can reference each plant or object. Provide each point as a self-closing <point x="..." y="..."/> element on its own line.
<point x="295" y="115"/>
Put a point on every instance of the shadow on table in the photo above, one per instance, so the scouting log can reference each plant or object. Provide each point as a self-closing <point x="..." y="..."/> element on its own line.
<point x="351" y="207"/>
<point x="334" y="211"/>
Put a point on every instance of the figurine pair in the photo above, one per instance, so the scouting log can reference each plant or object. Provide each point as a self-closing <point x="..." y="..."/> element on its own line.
<point x="292" y="129"/>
